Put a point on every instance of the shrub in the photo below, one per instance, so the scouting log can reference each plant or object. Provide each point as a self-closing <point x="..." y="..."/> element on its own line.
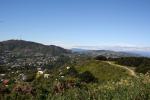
<point x="30" y="77"/>
<point x="141" y="64"/>
<point x="72" y="72"/>
<point x="101" y="58"/>
<point x="87" y="77"/>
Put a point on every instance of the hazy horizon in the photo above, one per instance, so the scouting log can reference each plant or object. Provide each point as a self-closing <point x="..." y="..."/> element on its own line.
<point x="120" y="48"/>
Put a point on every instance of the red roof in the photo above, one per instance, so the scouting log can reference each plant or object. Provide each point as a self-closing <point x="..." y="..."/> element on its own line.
<point x="5" y="82"/>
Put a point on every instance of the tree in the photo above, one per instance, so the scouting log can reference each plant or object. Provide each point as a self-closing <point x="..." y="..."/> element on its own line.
<point x="100" y="57"/>
<point x="72" y="72"/>
<point x="87" y="77"/>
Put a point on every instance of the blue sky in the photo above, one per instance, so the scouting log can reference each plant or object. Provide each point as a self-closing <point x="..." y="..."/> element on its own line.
<point x="77" y="22"/>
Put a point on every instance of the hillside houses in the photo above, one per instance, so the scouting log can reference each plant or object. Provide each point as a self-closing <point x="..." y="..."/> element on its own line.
<point x="8" y="59"/>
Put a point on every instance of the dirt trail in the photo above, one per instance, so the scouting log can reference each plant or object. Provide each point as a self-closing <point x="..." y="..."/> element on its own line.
<point x="124" y="67"/>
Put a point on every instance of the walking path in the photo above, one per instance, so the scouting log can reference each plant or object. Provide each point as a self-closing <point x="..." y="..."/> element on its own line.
<point x="124" y="67"/>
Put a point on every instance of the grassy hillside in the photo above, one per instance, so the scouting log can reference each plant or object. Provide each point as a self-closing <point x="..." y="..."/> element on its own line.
<point x="114" y="83"/>
<point x="103" y="71"/>
<point x="141" y="64"/>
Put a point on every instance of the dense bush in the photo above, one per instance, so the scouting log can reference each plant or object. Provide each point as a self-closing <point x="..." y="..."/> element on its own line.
<point x="30" y="77"/>
<point x="141" y="64"/>
<point x="83" y="87"/>
<point x="100" y="57"/>
<point x="3" y="69"/>
<point x="87" y="77"/>
<point x="72" y="72"/>
<point x="125" y="89"/>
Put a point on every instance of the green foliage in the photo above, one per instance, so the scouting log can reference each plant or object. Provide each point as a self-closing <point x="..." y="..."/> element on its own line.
<point x="103" y="58"/>
<point x="123" y="89"/>
<point x="30" y="77"/>
<point x="3" y="69"/>
<point x="72" y="72"/>
<point x="102" y="70"/>
<point x="141" y="64"/>
<point x="87" y="77"/>
<point x="116" y="85"/>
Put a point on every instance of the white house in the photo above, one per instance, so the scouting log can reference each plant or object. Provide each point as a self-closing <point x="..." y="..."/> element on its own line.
<point x="40" y="72"/>
<point x="2" y="75"/>
<point x="46" y="75"/>
<point x="68" y="67"/>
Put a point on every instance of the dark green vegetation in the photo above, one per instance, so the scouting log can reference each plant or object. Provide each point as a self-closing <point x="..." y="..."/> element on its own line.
<point x="141" y="64"/>
<point x="61" y="75"/>
<point x="103" y="71"/>
<point x="78" y="83"/>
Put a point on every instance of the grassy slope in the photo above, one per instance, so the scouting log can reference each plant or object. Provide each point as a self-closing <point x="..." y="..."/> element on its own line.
<point x="126" y="88"/>
<point x="103" y="71"/>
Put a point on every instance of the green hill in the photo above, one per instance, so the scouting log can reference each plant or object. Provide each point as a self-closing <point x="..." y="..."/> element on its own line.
<point x="21" y="47"/>
<point x="103" y="71"/>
